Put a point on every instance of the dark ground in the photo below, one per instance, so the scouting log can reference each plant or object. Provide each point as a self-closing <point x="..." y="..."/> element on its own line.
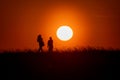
<point x="65" y="65"/>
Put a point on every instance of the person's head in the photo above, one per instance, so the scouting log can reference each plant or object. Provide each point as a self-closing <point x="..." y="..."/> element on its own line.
<point x="50" y="38"/>
<point x="39" y="35"/>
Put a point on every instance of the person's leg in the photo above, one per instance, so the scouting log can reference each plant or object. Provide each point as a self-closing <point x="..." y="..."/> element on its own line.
<point x="51" y="49"/>
<point x="48" y="49"/>
<point x="41" y="49"/>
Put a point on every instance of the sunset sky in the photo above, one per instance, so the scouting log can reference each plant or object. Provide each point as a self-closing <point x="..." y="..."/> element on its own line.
<point x="94" y="22"/>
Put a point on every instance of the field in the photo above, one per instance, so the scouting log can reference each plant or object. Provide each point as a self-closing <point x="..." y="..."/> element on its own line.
<point x="78" y="64"/>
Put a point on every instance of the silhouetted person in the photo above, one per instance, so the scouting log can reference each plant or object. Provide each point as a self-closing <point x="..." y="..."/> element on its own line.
<point x="50" y="44"/>
<point x="41" y="43"/>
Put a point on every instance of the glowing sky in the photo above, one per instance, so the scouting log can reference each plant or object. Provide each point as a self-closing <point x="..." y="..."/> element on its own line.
<point x="94" y="22"/>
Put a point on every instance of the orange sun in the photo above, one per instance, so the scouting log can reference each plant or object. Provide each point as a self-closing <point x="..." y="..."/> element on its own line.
<point x="64" y="33"/>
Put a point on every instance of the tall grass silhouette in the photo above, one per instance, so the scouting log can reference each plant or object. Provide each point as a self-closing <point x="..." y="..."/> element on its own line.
<point x="83" y="63"/>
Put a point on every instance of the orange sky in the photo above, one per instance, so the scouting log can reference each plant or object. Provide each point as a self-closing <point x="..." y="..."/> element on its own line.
<point x="95" y="23"/>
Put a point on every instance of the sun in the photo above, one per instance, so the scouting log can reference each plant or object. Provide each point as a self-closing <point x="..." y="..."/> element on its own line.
<point x="64" y="33"/>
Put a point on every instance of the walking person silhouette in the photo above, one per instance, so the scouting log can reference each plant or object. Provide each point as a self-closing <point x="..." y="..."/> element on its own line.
<point x="50" y="45"/>
<point x="41" y="43"/>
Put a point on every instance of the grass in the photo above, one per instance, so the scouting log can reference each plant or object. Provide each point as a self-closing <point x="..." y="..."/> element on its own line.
<point x="85" y="63"/>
